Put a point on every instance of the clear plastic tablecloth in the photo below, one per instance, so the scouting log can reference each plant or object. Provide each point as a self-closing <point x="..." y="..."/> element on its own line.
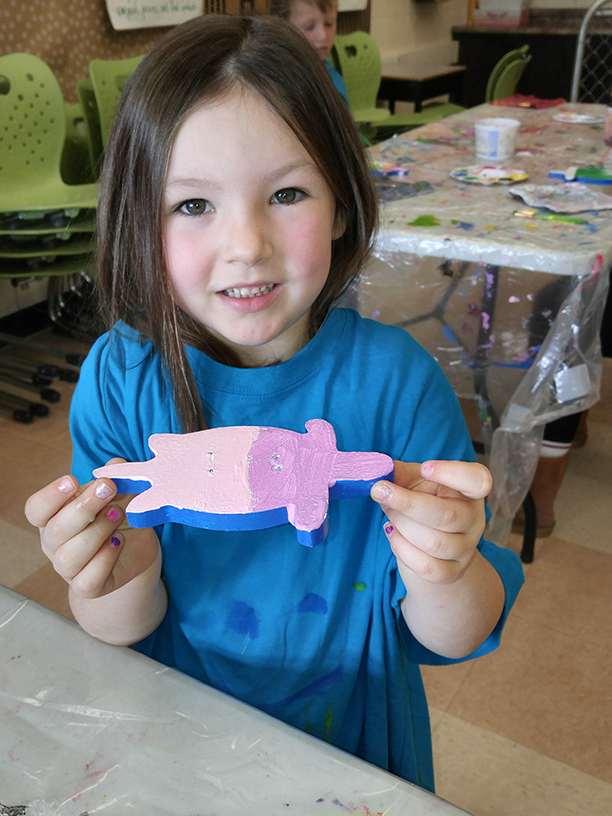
<point x="90" y="728"/>
<point x="507" y="297"/>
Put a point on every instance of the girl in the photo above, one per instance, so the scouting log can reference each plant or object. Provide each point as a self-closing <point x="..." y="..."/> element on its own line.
<point x="235" y="209"/>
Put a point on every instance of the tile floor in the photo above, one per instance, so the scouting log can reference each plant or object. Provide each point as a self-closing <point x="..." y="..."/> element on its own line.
<point x="526" y="731"/>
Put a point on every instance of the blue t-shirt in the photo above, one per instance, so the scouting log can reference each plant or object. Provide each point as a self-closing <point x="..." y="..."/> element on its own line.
<point x="338" y="81"/>
<point x="315" y="636"/>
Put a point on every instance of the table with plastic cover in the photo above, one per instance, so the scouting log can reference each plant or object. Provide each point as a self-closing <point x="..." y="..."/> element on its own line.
<point x="87" y="728"/>
<point x="509" y="301"/>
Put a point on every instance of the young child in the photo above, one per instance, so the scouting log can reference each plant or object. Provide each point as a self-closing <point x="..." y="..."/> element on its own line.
<point x="317" y="21"/>
<point x="235" y="208"/>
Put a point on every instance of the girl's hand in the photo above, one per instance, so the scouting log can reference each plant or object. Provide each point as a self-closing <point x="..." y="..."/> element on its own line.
<point x="83" y="533"/>
<point x="436" y="516"/>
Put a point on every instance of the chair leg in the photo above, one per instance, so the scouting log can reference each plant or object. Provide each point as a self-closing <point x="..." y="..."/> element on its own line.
<point x="529" y="533"/>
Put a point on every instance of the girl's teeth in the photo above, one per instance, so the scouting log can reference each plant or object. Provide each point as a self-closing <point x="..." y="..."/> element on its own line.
<point x="248" y="292"/>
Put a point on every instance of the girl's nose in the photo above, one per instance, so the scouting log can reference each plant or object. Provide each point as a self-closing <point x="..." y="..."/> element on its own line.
<point x="246" y="241"/>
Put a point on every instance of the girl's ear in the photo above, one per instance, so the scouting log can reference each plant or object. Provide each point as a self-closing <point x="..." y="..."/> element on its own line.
<point x="340" y="224"/>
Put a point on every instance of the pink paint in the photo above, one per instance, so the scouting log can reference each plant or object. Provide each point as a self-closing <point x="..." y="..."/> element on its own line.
<point x="204" y="471"/>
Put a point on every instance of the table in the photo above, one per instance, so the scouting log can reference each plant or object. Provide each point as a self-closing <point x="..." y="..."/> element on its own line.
<point x="411" y="80"/>
<point x="97" y="728"/>
<point x="477" y="284"/>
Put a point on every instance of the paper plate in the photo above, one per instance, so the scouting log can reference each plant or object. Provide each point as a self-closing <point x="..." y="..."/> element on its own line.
<point x="572" y="197"/>
<point x="571" y="118"/>
<point x="489" y="174"/>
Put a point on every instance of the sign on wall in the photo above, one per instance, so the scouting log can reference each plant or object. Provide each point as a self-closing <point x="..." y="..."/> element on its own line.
<point x="126" y="14"/>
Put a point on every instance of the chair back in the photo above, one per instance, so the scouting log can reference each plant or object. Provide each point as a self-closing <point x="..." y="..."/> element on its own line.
<point x="500" y="66"/>
<point x="89" y="108"/>
<point x="509" y="78"/>
<point x="109" y="78"/>
<point x="360" y="64"/>
<point x="33" y="122"/>
<point x="75" y="166"/>
<point x="592" y="76"/>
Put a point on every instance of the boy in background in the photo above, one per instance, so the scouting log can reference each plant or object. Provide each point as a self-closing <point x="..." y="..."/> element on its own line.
<point x="316" y="20"/>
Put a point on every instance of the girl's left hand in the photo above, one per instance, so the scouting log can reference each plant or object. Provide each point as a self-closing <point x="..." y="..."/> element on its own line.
<point x="436" y="516"/>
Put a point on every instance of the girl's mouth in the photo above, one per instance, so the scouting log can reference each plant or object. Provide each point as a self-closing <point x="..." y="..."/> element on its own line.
<point x="249" y="291"/>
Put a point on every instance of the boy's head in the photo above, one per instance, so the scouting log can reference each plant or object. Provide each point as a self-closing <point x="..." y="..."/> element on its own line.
<point x="315" y="19"/>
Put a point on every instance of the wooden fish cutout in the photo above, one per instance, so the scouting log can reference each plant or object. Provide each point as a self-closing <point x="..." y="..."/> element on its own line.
<point x="246" y="478"/>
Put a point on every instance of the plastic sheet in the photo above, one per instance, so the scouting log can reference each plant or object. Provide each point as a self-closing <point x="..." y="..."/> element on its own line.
<point x="90" y="728"/>
<point x="508" y="300"/>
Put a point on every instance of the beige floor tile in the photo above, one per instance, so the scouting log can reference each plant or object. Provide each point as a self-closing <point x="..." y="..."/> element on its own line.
<point x="602" y="410"/>
<point x="443" y="682"/>
<point x="546" y="690"/>
<point x="435" y="715"/>
<point x="582" y="511"/>
<point x="568" y="589"/>
<point x="489" y="775"/>
<point x="31" y="466"/>
<point x="48" y="589"/>
<point x="20" y="553"/>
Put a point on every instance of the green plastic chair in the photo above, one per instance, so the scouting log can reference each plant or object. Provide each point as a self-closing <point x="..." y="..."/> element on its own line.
<point x="500" y="66"/>
<point x="32" y="138"/>
<point x="359" y="62"/>
<point x="109" y="77"/>
<point x="89" y="108"/>
<point x="509" y="78"/>
<point x="76" y="166"/>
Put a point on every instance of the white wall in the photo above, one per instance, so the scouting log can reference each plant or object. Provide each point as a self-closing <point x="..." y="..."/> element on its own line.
<point x="404" y="26"/>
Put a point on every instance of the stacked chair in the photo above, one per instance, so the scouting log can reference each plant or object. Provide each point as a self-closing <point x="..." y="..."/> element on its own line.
<point x="50" y="158"/>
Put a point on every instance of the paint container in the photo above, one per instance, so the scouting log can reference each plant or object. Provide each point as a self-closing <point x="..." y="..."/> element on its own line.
<point x="496" y="138"/>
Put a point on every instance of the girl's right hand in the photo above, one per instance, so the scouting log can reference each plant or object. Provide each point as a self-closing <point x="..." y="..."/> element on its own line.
<point x="83" y="531"/>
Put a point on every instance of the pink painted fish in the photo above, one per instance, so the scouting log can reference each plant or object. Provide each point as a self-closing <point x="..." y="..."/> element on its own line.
<point x="246" y="478"/>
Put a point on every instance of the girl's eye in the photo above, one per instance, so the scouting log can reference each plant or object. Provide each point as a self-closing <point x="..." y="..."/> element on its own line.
<point x="289" y="195"/>
<point x="195" y="206"/>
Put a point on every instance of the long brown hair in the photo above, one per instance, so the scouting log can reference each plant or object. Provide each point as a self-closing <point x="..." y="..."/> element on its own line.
<point x="196" y="63"/>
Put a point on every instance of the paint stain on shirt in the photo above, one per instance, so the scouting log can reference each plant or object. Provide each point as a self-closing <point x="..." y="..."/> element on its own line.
<point x="242" y="619"/>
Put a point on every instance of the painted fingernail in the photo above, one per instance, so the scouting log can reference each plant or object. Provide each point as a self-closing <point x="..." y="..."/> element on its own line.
<point x="382" y="491"/>
<point x="66" y="485"/>
<point x="113" y="513"/>
<point x="389" y="529"/>
<point x="427" y="468"/>
<point x="116" y="540"/>
<point x="102" y="490"/>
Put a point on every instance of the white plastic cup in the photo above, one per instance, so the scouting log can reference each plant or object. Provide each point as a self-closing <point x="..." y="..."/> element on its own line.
<point x="496" y="138"/>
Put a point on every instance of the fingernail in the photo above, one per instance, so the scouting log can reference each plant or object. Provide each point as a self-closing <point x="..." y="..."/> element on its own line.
<point x="113" y="513"/>
<point x="66" y="485"/>
<point x="388" y="529"/>
<point x="115" y="540"/>
<point x="382" y="491"/>
<point x="427" y="468"/>
<point x="102" y="490"/>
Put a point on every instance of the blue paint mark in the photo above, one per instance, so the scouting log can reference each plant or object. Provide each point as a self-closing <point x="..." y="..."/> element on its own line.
<point x="465" y="225"/>
<point x="450" y="335"/>
<point x="313" y="603"/>
<point x="242" y="619"/>
<point x="313" y="688"/>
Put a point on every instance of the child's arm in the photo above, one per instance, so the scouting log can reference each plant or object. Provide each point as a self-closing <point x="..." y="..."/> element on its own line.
<point x="454" y="597"/>
<point x="116" y="592"/>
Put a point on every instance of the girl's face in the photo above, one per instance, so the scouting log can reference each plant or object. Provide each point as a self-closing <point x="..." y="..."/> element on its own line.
<point x="248" y="227"/>
<point x="319" y="27"/>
